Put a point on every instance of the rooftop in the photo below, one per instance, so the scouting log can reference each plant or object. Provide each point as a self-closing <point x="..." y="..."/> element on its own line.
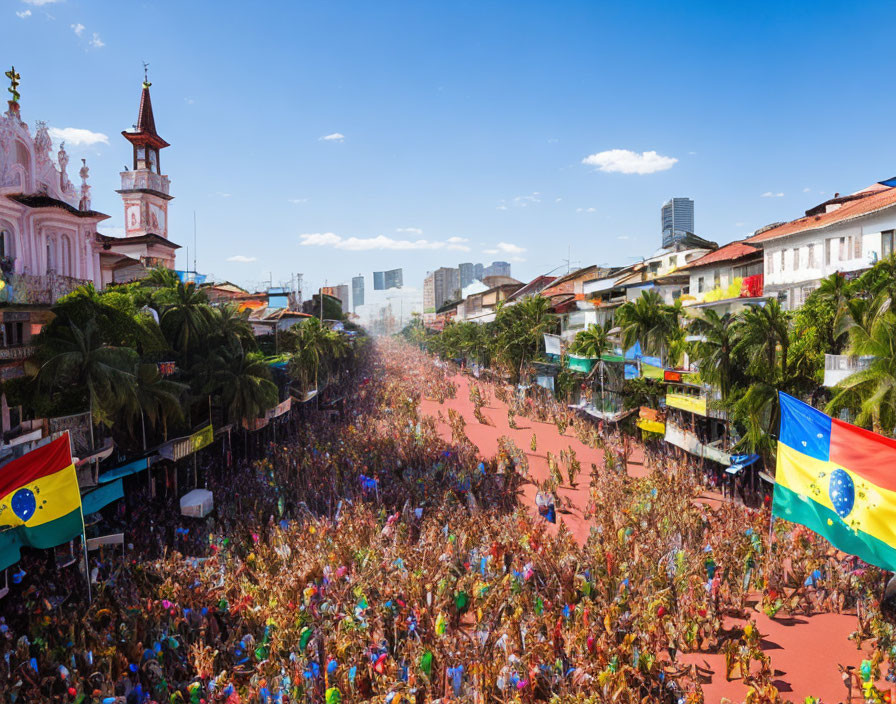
<point x="729" y="253"/>
<point x="838" y="209"/>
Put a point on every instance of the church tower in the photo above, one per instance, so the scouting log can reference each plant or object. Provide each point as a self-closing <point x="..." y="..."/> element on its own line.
<point x="144" y="189"/>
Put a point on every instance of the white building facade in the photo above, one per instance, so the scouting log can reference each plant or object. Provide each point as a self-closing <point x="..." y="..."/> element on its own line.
<point x="845" y="235"/>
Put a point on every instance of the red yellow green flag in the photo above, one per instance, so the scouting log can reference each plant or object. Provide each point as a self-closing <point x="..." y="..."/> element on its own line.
<point x="39" y="496"/>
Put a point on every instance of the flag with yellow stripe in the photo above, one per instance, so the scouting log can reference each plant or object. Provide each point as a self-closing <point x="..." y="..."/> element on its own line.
<point x="839" y="480"/>
<point x="39" y="496"/>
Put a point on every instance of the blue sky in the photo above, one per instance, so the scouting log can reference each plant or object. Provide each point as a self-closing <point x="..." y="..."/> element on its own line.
<point x="467" y="125"/>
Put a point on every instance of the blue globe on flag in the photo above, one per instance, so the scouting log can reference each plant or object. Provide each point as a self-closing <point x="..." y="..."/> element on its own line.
<point x="842" y="491"/>
<point x="23" y="504"/>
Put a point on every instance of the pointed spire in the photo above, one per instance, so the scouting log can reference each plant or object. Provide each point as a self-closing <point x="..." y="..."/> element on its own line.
<point x="145" y="120"/>
<point x="144" y="132"/>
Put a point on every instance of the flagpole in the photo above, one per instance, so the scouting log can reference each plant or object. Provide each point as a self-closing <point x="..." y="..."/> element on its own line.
<point x="83" y="534"/>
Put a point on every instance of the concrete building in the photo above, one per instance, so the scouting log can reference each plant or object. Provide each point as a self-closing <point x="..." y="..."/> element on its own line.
<point x="383" y="280"/>
<point x="393" y="278"/>
<point x="497" y="269"/>
<point x="357" y="291"/>
<point x="845" y="234"/>
<point x="676" y="216"/>
<point x="725" y="280"/>
<point x="467" y="274"/>
<point x="439" y="287"/>
<point x="478" y="272"/>
<point x="339" y="292"/>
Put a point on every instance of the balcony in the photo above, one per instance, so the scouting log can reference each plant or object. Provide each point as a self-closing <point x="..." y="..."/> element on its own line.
<point x="132" y="180"/>
<point x="37" y="290"/>
<point x="690" y="443"/>
<point x="16" y="352"/>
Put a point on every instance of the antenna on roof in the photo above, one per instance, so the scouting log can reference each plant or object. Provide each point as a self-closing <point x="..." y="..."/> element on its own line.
<point x="146" y="83"/>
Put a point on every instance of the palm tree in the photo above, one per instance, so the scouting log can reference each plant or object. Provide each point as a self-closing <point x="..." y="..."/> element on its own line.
<point x="161" y="277"/>
<point x="185" y="316"/>
<point x="78" y="356"/>
<point x="519" y="331"/>
<point x="871" y="390"/>
<point x="231" y="325"/>
<point x="244" y="385"/>
<point x="762" y="335"/>
<point x="155" y="398"/>
<point x="593" y="341"/>
<point x="312" y="342"/>
<point x="649" y="321"/>
<point x="715" y="348"/>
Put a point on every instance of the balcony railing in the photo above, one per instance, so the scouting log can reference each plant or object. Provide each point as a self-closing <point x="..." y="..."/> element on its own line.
<point x="17" y="352"/>
<point x="131" y="180"/>
<point x="42" y="290"/>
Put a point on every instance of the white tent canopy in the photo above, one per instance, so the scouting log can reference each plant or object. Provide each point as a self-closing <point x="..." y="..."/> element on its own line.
<point x="197" y="503"/>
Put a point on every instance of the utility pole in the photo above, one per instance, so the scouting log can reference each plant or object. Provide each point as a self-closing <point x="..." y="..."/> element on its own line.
<point x="194" y="245"/>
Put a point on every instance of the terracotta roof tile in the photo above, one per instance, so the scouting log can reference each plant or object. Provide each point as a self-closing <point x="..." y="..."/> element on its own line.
<point x="729" y="253"/>
<point x="876" y="199"/>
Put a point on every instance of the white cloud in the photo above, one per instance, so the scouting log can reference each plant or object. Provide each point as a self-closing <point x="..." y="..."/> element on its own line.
<point x="221" y="194"/>
<point x="457" y="240"/>
<point x="512" y="251"/>
<point x="692" y="153"/>
<point x="381" y="242"/>
<point x="806" y="189"/>
<point x="622" y="237"/>
<point x="78" y="28"/>
<point x="23" y="15"/>
<point x="523" y="201"/>
<point x="96" y="42"/>
<point x="189" y="101"/>
<point x="410" y="230"/>
<point x="586" y="210"/>
<point x="78" y="137"/>
<point x="557" y="200"/>
<point x="298" y="201"/>
<point x="241" y="259"/>
<point x="739" y="224"/>
<point x="335" y="137"/>
<point x="770" y="194"/>
<point x="508" y="248"/>
<point x="38" y="3"/>
<point x="625" y="161"/>
<point x="501" y="207"/>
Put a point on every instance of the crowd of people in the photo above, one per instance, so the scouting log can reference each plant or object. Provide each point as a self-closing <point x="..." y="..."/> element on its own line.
<point x="371" y="559"/>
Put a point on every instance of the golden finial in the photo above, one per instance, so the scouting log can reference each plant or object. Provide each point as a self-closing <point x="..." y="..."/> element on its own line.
<point x="13" y="84"/>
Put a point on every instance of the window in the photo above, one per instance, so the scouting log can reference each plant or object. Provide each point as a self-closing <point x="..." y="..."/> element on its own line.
<point x="716" y="279"/>
<point x="886" y="243"/>
<point x="841" y="253"/>
<point x="700" y="285"/>
<point x="770" y="264"/>
<point x="673" y="261"/>
<point x="66" y="263"/>
<point x="4" y="237"/>
<point x="783" y="263"/>
<point x="796" y="258"/>
<point x="857" y="247"/>
<point x="12" y="334"/>
<point x="828" y="251"/>
<point x="811" y="256"/>
<point x="51" y="260"/>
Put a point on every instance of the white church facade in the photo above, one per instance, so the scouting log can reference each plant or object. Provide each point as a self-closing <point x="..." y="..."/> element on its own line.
<point x="49" y="244"/>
